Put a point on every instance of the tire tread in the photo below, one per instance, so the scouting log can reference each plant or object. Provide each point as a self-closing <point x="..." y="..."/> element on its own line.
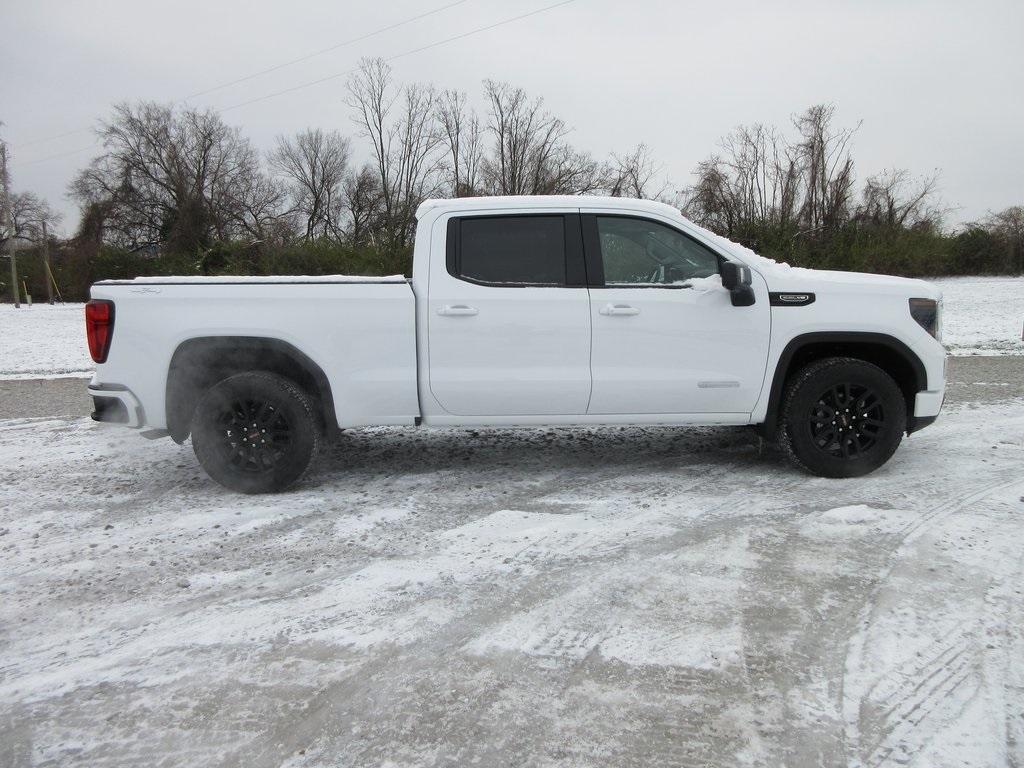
<point x="796" y="382"/>
<point x="292" y="390"/>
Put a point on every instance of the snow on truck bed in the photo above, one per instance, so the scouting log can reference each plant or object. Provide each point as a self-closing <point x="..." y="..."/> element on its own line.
<point x="243" y="279"/>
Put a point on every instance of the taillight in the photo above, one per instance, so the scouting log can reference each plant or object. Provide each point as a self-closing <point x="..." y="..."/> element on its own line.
<point x="99" y="327"/>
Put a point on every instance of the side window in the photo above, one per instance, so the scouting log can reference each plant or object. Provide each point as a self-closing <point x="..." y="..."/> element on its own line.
<point x="644" y="252"/>
<point x="511" y="249"/>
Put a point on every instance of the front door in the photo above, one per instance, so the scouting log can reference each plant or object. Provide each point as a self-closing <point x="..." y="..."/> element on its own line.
<point x="509" y="317"/>
<point x="666" y="337"/>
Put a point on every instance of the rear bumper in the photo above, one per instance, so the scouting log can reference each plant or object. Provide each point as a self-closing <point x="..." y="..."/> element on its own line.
<point x="115" y="404"/>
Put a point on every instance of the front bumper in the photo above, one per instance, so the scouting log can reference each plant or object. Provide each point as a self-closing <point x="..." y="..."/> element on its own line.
<point x="115" y="404"/>
<point x="929" y="403"/>
<point x="926" y="409"/>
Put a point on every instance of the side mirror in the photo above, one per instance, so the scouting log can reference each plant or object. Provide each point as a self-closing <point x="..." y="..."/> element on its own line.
<point x="736" y="279"/>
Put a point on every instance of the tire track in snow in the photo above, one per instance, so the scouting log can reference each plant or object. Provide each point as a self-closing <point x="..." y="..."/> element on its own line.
<point x="926" y="686"/>
<point x="1013" y="673"/>
<point x="928" y="698"/>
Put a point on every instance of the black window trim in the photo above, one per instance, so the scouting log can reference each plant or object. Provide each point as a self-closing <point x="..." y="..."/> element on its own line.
<point x="595" y="264"/>
<point x="575" y="269"/>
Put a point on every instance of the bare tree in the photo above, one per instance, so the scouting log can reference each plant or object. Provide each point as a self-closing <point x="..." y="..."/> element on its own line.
<point x="1008" y="227"/>
<point x="315" y="164"/>
<point x="168" y="179"/>
<point x="462" y="134"/>
<point x="760" y="180"/>
<point x="632" y="175"/>
<point x="260" y="210"/>
<point x="399" y="123"/>
<point x="27" y="215"/>
<point x="24" y="218"/>
<point x="7" y="229"/>
<point x="754" y="180"/>
<point x="826" y="166"/>
<point x="530" y="155"/>
<point x="1009" y="221"/>
<point x="363" y="207"/>
<point x="711" y="201"/>
<point x="892" y="199"/>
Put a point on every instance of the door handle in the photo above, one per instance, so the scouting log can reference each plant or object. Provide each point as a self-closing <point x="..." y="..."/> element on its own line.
<point x="457" y="310"/>
<point x="618" y="309"/>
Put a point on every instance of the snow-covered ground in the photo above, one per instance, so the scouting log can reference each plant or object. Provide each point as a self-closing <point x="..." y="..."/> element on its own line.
<point x="983" y="315"/>
<point x="43" y="341"/>
<point x="598" y="597"/>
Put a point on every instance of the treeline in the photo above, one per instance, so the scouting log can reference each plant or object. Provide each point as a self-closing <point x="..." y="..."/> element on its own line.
<point x="179" y="191"/>
<point x="796" y="198"/>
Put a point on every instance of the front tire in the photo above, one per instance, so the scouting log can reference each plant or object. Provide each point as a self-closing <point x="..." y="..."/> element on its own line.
<point x="255" y="432"/>
<point x="842" y="417"/>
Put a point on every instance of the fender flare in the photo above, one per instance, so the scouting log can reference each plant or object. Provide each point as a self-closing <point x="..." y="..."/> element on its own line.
<point x="770" y="423"/>
<point x="213" y="352"/>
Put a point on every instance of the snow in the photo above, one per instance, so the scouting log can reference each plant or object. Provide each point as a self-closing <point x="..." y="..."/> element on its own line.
<point x="612" y="596"/>
<point x="698" y="284"/>
<point x="245" y="279"/>
<point x="705" y="284"/>
<point x="43" y="341"/>
<point x="983" y="315"/>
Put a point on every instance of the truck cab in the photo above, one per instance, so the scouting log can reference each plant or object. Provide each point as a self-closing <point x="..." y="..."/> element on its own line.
<point x="598" y="312"/>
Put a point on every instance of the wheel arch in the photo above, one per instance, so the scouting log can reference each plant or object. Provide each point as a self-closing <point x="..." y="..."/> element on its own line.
<point x="887" y="352"/>
<point x="199" y="363"/>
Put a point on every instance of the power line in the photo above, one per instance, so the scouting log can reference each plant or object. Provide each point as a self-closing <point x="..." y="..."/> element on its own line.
<point x="447" y="40"/>
<point x="322" y="51"/>
<point x="328" y="78"/>
<point x="54" y="137"/>
<point x="58" y="155"/>
<point x="260" y="73"/>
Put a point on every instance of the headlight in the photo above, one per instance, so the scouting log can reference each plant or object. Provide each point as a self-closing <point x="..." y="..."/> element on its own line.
<point x="926" y="313"/>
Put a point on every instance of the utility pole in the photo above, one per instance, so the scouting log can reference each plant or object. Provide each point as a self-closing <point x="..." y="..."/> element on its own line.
<point x="14" y="273"/>
<point x="5" y="212"/>
<point x="48" y="276"/>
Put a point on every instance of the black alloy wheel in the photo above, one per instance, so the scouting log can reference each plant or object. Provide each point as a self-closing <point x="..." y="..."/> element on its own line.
<point x="847" y="420"/>
<point x="255" y="432"/>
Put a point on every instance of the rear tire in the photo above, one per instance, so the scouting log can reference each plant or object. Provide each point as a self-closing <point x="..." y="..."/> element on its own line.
<point x="841" y="417"/>
<point x="255" y="432"/>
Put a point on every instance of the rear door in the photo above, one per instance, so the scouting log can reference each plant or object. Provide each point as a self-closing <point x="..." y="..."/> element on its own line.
<point x="509" y="316"/>
<point x="666" y="337"/>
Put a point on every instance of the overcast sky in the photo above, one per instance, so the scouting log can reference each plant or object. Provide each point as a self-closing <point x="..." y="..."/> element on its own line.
<point x="938" y="85"/>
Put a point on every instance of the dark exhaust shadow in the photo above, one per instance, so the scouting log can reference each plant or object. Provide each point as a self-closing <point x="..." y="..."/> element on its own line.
<point x="400" y="450"/>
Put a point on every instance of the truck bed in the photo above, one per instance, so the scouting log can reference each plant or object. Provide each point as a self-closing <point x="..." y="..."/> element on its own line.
<point x="360" y="331"/>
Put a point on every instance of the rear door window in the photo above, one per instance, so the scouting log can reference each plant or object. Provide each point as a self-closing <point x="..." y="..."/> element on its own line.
<point x="511" y="250"/>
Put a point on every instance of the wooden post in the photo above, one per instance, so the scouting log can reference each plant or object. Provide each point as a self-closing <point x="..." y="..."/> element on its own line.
<point x="47" y="272"/>
<point x="5" y="211"/>
<point x="15" y="290"/>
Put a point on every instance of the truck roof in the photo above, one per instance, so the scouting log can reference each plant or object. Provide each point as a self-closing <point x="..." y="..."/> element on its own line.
<point x="541" y="202"/>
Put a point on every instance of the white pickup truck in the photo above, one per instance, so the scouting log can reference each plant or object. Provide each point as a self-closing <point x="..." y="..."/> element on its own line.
<point x="523" y="311"/>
